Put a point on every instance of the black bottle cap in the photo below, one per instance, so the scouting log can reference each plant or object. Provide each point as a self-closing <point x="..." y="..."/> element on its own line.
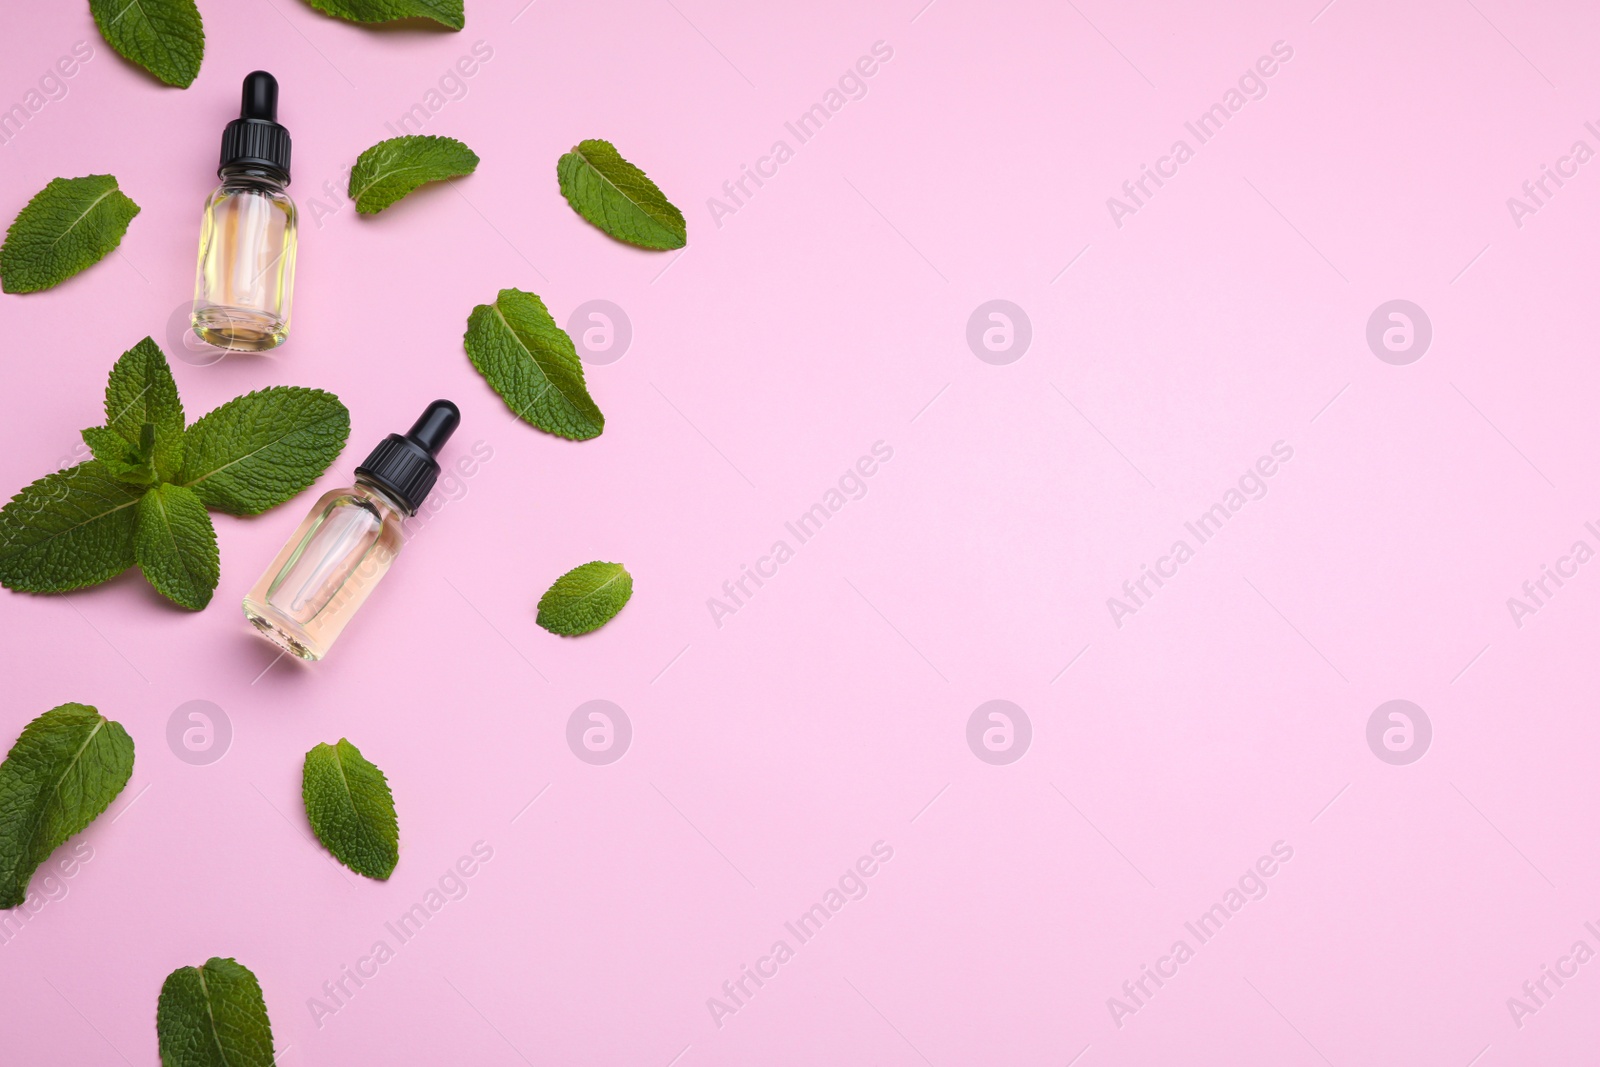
<point x="255" y="139"/>
<point x="406" y="467"/>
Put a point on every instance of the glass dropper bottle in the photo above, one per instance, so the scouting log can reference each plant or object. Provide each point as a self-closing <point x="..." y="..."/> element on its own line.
<point x="245" y="277"/>
<point x="337" y="556"/>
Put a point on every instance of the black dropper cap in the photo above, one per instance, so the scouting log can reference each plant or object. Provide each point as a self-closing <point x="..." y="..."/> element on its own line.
<point x="406" y="467"/>
<point x="255" y="139"/>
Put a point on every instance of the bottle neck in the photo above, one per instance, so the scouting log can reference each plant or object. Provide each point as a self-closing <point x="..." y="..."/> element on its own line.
<point x="252" y="176"/>
<point x="383" y="494"/>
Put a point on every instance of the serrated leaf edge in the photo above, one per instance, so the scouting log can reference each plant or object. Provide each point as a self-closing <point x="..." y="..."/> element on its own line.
<point x="357" y="194"/>
<point x="524" y="413"/>
<point x="324" y="7"/>
<point x="116" y="188"/>
<point x="33" y="833"/>
<point x="247" y="455"/>
<point x="183" y="561"/>
<point x="621" y="572"/>
<point x="161" y="39"/>
<point x="577" y="150"/>
<point x="93" y="518"/>
<point x="344" y="780"/>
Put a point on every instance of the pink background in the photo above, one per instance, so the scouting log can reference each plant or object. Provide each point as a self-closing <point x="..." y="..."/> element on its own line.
<point x="828" y="313"/>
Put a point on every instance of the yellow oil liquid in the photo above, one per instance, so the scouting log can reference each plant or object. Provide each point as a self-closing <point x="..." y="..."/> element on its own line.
<point x="245" y="277"/>
<point x="326" y="571"/>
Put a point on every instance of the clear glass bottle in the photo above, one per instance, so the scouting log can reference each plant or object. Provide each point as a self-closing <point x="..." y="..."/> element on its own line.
<point x="244" y="280"/>
<point x="346" y="544"/>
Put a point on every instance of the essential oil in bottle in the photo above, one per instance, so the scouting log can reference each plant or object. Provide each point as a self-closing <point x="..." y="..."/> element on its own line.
<point x="245" y="278"/>
<point x="344" y="547"/>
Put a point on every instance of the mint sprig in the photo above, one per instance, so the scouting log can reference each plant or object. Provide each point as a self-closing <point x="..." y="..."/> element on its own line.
<point x="142" y="499"/>
<point x="165" y="37"/>
<point x="70" y="225"/>
<point x="391" y="169"/>
<point x="66" y="768"/>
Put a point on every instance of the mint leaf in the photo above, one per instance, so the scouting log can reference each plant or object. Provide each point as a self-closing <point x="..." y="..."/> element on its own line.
<point x="585" y="598"/>
<point x="390" y="169"/>
<point x="66" y="768"/>
<point x="213" y="1016"/>
<point x="164" y="37"/>
<point x="176" y="546"/>
<point x="70" y="225"/>
<point x="351" y="809"/>
<point x="444" y="12"/>
<point x="69" y="529"/>
<point x="119" y="459"/>
<point x="258" y="450"/>
<point x="616" y="196"/>
<point x="531" y="363"/>
<point x="141" y="393"/>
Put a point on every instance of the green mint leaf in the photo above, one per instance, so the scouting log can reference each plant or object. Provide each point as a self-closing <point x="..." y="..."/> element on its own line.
<point x="176" y="546"/>
<point x="258" y="450"/>
<point x="164" y="37"/>
<point x="444" y="12"/>
<point x="70" y="225"/>
<point x="69" y="529"/>
<point x="141" y="397"/>
<point x="66" y="768"/>
<point x="585" y="598"/>
<point x="616" y="196"/>
<point x="390" y="169"/>
<point x="351" y="809"/>
<point x="531" y="363"/>
<point x="110" y="447"/>
<point x="213" y="1016"/>
<point x="119" y="459"/>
